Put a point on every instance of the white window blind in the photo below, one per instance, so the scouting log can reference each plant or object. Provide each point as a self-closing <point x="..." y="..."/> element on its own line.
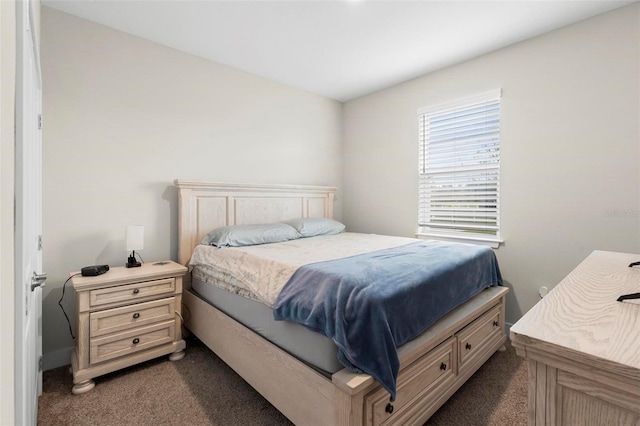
<point x="459" y="176"/>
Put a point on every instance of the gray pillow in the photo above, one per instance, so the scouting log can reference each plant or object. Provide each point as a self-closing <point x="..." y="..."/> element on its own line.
<point x="248" y="235"/>
<point x="313" y="226"/>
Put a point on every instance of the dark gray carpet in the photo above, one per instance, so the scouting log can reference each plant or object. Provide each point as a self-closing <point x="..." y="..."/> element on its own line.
<point x="201" y="390"/>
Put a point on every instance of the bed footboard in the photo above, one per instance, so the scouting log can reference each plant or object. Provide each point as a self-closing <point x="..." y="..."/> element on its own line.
<point x="432" y="366"/>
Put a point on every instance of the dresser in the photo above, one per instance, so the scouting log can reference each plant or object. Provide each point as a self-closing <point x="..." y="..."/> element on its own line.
<point x="126" y="316"/>
<point x="582" y="346"/>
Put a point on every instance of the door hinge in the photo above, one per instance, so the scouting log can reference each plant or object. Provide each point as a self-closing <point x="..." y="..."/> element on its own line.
<point x="39" y="121"/>
<point x="39" y="242"/>
<point x="40" y="364"/>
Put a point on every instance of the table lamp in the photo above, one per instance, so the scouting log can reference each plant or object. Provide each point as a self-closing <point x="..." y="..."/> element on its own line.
<point x="135" y="241"/>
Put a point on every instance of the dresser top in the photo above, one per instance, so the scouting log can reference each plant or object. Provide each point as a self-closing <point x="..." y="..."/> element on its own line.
<point x="581" y="314"/>
<point x="120" y="275"/>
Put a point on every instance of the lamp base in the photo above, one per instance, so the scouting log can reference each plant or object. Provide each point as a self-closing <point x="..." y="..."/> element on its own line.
<point x="132" y="262"/>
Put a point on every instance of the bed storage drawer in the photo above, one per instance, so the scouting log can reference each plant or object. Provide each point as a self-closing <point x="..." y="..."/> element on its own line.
<point x="414" y="383"/>
<point x="126" y="317"/>
<point x="131" y="292"/>
<point x="478" y="336"/>
<point x="121" y="344"/>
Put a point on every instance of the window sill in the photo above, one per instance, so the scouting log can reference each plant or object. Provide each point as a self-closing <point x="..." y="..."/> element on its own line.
<point x="491" y="242"/>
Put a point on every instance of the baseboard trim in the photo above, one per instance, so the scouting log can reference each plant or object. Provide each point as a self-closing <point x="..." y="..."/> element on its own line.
<point x="56" y="359"/>
<point x="508" y="327"/>
<point x="62" y="357"/>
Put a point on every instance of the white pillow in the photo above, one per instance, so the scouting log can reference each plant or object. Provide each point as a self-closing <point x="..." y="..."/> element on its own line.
<point x="248" y="235"/>
<point x="313" y="226"/>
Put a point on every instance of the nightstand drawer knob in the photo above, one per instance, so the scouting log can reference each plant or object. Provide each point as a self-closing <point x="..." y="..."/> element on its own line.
<point x="136" y="341"/>
<point x="136" y="315"/>
<point x="136" y="291"/>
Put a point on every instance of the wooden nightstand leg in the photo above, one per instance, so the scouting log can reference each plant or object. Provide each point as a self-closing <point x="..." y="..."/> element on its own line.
<point x="502" y="348"/>
<point x="176" y="356"/>
<point x="83" y="387"/>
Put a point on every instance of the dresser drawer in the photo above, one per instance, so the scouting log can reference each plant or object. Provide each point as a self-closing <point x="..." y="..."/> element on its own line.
<point x="477" y="336"/>
<point x="136" y="340"/>
<point x="414" y="383"/>
<point x="131" y="292"/>
<point x="120" y="319"/>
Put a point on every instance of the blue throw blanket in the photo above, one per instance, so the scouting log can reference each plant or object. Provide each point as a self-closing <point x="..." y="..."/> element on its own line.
<point x="372" y="303"/>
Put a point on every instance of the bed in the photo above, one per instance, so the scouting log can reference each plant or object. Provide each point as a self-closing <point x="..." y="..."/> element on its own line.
<point x="432" y="366"/>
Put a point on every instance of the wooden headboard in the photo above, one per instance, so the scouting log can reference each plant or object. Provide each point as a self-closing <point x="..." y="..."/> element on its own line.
<point x="204" y="206"/>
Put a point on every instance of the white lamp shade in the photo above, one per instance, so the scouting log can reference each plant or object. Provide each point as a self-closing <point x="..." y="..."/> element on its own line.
<point x="135" y="237"/>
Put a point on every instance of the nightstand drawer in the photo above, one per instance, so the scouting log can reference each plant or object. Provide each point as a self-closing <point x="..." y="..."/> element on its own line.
<point x="139" y="339"/>
<point x="131" y="292"/>
<point x="138" y="315"/>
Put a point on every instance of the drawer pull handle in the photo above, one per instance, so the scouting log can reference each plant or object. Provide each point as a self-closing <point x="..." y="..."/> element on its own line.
<point x="136" y="315"/>
<point x="495" y="323"/>
<point x="389" y="408"/>
<point x="443" y="366"/>
<point x="467" y="346"/>
<point x="136" y="341"/>
<point x="136" y="291"/>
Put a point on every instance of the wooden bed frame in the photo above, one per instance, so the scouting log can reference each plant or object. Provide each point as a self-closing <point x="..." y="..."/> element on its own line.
<point x="432" y="366"/>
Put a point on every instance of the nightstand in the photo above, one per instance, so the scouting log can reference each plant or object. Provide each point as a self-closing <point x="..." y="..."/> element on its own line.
<point x="126" y="316"/>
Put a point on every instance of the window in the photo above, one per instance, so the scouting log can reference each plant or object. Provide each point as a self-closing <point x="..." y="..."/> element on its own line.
<point x="459" y="176"/>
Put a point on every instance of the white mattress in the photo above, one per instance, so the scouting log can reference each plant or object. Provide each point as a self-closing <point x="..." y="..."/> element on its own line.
<point x="311" y="347"/>
<point x="260" y="271"/>
<point x="244" y="283"/>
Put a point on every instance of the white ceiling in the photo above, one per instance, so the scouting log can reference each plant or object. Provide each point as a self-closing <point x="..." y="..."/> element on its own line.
<point x="338" y="49"/>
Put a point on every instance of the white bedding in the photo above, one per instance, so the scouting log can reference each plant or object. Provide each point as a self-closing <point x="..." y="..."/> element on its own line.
<point x="261" y="271"/>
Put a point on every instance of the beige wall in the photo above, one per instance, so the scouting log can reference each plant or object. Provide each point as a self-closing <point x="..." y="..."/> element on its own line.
<point x="124" y="117"/>
<point x="7" y="140"/>
<point x="570" y="153"/>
